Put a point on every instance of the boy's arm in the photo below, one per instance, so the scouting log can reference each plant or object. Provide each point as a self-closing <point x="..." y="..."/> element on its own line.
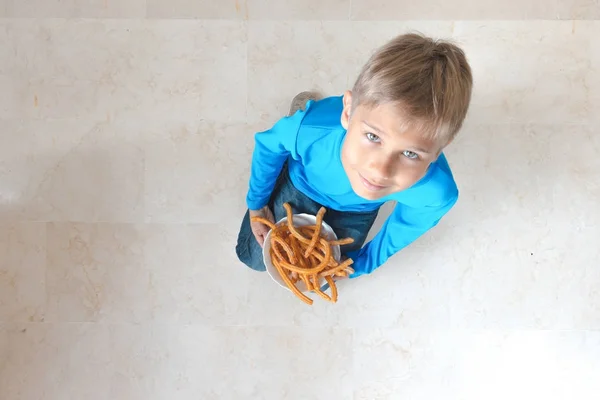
<point x="403" y="226"/>
<point x="271" y="149"/>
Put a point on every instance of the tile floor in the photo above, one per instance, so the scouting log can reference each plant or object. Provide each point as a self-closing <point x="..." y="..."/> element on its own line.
<point x="125" y="138"/>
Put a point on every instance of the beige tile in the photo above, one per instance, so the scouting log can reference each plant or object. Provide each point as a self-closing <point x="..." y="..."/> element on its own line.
<point x="22" y="272"/>
<point x="180" y="70"/>
<point x="169" y="361"/>
<point x="313" y="363"/>
<point x="194" y="276"/>
<point x="139" y="273"/>
<point x="593" y="26"/>
<point x="469" y="365"/>
<point x="512" y="82"/>
<point x="226" y="9"/>
<point x="524" y="227"/>
<point x="251" y="9"/>
<point x="47" y="361"/>
<point x="76" y="8"/>
<point x="96" y="272"/>
<point x="4" y="348"/>
<point x="476" y="10"/>
<point x="304" y="10"/>
<point x="198" y="172"/>
<point x="71" y="170"/>
<point x="285" y="58"/>
<point x="127" y="361"/>
<point x="405" y="363"/>
<point x="267" y="363"/>
<point x="412" y="289"/>
<point x="530" y="71"/>
<point x="580" y="9"/>
<point x="282" y="362"/>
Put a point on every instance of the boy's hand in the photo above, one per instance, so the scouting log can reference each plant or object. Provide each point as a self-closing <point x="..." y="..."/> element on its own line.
<point x="260" y="230"/>
<point x="337" y="278"/>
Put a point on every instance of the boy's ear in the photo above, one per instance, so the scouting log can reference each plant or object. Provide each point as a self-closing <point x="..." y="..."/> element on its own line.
<point x="347" y="111"/>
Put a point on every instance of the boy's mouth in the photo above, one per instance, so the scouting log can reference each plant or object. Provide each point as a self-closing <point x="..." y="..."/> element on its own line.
<point x="369" y="185"/>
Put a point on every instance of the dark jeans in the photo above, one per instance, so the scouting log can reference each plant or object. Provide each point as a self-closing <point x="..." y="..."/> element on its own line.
<point x="345" y="224"/>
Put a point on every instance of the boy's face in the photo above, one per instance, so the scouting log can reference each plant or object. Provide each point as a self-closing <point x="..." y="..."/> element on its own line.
<point x="380" y="157"/>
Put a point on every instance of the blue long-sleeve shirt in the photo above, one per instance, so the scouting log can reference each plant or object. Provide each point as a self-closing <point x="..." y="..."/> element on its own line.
<point x="311" y="141"/>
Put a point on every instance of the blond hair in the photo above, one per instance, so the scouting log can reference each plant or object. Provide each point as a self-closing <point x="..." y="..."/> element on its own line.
<point x="430" y="80"/>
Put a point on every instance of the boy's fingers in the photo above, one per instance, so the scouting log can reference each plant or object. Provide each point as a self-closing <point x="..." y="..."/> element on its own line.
<point x="259" y="234"/>
<point x="260" y="230"/>
<point x="270" y="215"/>
<point x="261" y="240"/>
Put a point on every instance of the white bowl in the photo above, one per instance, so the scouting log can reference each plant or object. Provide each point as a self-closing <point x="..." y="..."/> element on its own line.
<point x="299" y="220"/>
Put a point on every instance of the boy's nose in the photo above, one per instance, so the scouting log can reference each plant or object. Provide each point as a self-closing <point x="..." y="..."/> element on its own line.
<point x="382" y="171"/>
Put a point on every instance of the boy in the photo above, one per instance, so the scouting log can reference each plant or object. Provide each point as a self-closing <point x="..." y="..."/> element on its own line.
<point x="381" y="141"/>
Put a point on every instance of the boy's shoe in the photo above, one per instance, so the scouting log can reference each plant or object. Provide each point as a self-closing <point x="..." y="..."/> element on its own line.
<point x="300" y="100"/>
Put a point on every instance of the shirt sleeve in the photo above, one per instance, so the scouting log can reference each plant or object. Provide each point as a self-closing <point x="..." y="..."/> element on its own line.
<point x="403" y="226"/>
<point x="272" y="147"/>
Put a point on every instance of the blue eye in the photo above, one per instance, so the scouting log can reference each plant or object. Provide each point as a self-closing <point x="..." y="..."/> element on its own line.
<point x="373" y="137"/>
<point x="410" y="154"/>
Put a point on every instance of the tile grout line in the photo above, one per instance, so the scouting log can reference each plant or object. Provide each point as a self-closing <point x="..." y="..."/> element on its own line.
<point x="350" y="11"/>
<point x="247" y="28"/>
